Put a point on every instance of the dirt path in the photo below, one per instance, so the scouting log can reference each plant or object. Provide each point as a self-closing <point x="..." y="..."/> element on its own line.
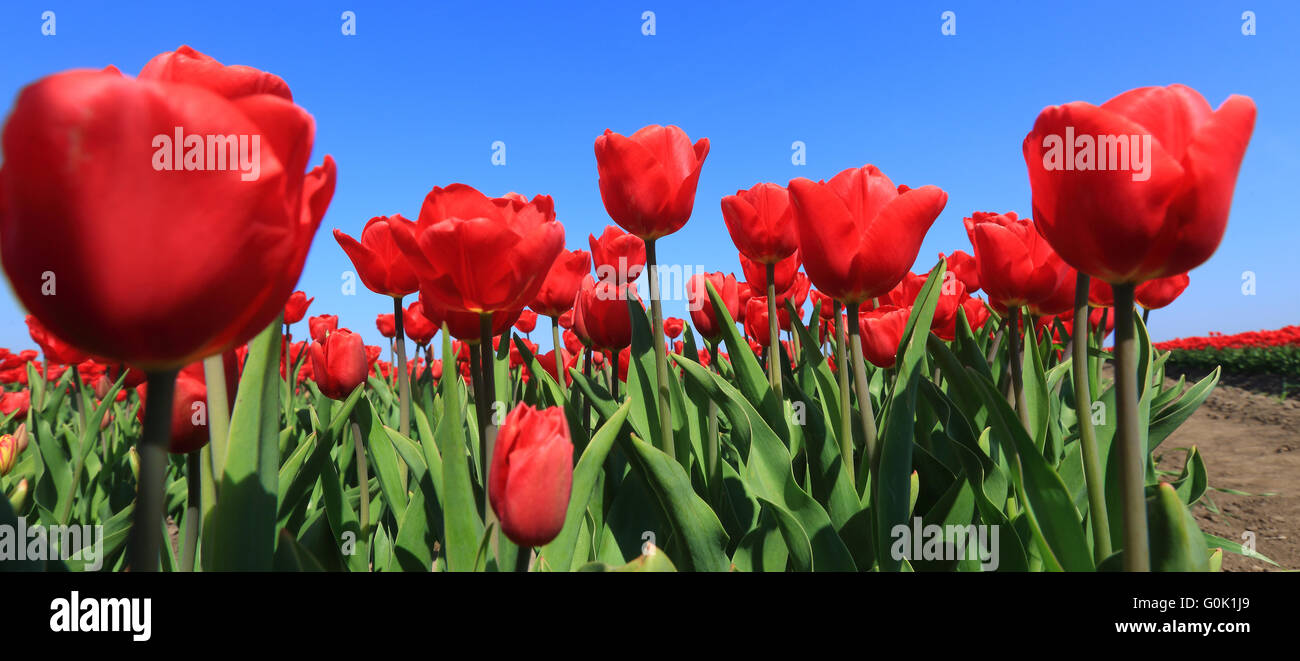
<point x="1251" y="443"/>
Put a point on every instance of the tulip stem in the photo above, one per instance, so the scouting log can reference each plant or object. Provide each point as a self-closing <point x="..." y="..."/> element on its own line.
<point x="193" y="508"/>
<point x="1146" y="314"/>
<point x="661" y="354"/>
<point x="146" y="536"/>
<point x="869" y="457"/>
<point x="403" y="379"/>
<point x="712" y="449"/>
<point x="1087" y="437"/>
<point x="363" y="478"/>
<point x="1015" y="358"/>
<point x="559" y="360"/>
<point x="846" y="408"/>
<point x="480" y="408"/>
<point x="991" y="355"/>
<point x="488" y="365"/>
<point x="773" y="338"/>
<point x="1131" y="461"/>
<point x="214" y="377"/>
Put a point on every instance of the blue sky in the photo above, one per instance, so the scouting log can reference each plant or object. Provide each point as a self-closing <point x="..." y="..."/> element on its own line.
<point x="417" y="97"/>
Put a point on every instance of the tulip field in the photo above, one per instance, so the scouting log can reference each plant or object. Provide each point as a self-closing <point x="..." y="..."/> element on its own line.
<point x="845" y="403"/>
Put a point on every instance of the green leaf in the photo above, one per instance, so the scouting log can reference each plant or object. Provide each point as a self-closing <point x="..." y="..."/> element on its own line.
<point x="701" y="533"/>
<point x="1177" y="544"/>
<point x="462" y="525"/>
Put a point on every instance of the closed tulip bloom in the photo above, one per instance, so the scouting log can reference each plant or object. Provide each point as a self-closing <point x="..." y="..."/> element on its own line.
<point x="744" y="292"/>
<point x="481" y="254"/>
<point x="556" y="294"/>
<point x="617" y="254"/>
<point x="547" y="361"/>
<point x="462" y="325"/>
<point x="648" y="179"/>
<point x="418" y="325"/>
<point x="1160" y="211"/>
<point x="1100" y="294"/>
<point x="673" y="327"/>
<point x="189" y="428"/>
<point x="784" y="274"/>
<point x="566" y="319"/>
<point x="321" y="325"/>
<point x="1061" y="298"/>
<point x="11" y="446"/>
<point x="387" y="325"/>
<point x="1156" y="294"/>
<point x="761" y="223"/>
<point x="756" y="326"/>
<point x="1016" y="264"/>
<point x="90" y="168"/>
<point x="296" y="307"/>
<point x="601" y="314"/>
<point x="882" y="331"/>
<point x="858" y="235"/>
<point x="526" y="322"/>
<point x="532" y="474"/>
<point x="339" y="364"/>
<point x="964" y="268"/>
<point x="701" y="306"/>
<point x="55" y="350"/>
<point x="380" y="264"/>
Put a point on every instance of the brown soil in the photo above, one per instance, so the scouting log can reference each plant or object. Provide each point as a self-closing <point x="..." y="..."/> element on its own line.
<point x="1250" y="440"/>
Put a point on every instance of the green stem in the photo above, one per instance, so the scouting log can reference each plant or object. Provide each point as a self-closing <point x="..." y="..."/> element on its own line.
<point x="846" y="407"/>
<point x="214" y="377"/>
<point x="363" y="478"/>
<point x="712" y="449"/>
<point x="480" y="408"/>
<point x="403" y="379"/>
<point x="488" y="365"/>
<point x="559" y="360"/>
<point x="870" y="457"/>
<point x="1015" y="358"/>
<point x="1131" y="458"/>
<point x="145" y="536"/>
<point x="661" y="355"/>
<point x="193" y="509"/>
<point x="773" y="337"/>
<point x="1092" y="473"/>
<point x="523" y="555"/>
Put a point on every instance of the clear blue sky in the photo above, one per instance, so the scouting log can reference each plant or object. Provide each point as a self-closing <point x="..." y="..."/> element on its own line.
<point x="417" y="97"/>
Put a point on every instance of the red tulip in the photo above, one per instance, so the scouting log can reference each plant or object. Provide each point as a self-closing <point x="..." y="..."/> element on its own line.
<point x="744" y="292"/>
<point x="480" y="254"/>
<point x="756" y="324"/>
<point x="380" y="264"/>
<point x="572" y="342"/>
<point x="462" y="325"/>
<point x="189" y="428"/>
<point x="55" y="350"/>
<point x="964" y="268"/>
<point x="296" y="307"/>
<point x="617" y="255"/>
<point x="11" y="446"/>
<point x="418" y="325"/>
<point x="566" y="319"/>
<point x="387" y="325"/>
<point x="756" y="274"/>
<point x="648" y="179"/>
<point x="15" y="402"/>
<point x="701" y="307"/>
<point x="1138" y="188"/>
<point x="1061" y="298"/>
<point x="562" y="282"/>
<point x="1100" y="293"/>
<point x="1016" y="265"/>
<point x="225" y="244"/>
<point x="339" y="363"/>
<point x="673" y="327"/>
<point x="858" y="234"/>
<point x="761" y="223"/>
<point x="977" y="313"/>
<point x="321" y="325"/>
<point x="527" y="321"/>
<point x="1156" y="294"/>
<point x="882" y="331"/>
<point x="532" y="474"/>
<point x="547" y="361"/>
<point x="601" y="314"/>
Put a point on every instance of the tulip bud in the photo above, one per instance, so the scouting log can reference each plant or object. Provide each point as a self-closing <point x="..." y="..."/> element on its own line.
<point x="339" y="364"/>
<point x="19" y="497"/>
<point x="133" y="458"/>
<point x="532" y="474"/>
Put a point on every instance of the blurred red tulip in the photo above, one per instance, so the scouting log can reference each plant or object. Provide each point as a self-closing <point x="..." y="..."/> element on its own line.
<point x="532" y="474"/>
<point x="55" y="350"/>
<point x="189" y="428"/>
<point x="882" y="331"/>
<point x="1156" y="294"/>
<point x="226" y="244"/>
<point x="756" y="274"/>
<point x="387" y="325"/>
<point x="964" y="268"/>
<point x="15" y="402"/>
<point x="858" y="233"/>
<point x="673" y="327"/>
<point x="527" y="321"/>
<point x="296" y="307"/>
<point x="380" y="264"/>
<point x="648" y="179"/>
<point x="418" y="324"/>
<point x="1147" y="194"/>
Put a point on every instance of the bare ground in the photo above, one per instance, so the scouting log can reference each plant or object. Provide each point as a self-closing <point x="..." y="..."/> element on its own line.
<point x="1248" y="432"/>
